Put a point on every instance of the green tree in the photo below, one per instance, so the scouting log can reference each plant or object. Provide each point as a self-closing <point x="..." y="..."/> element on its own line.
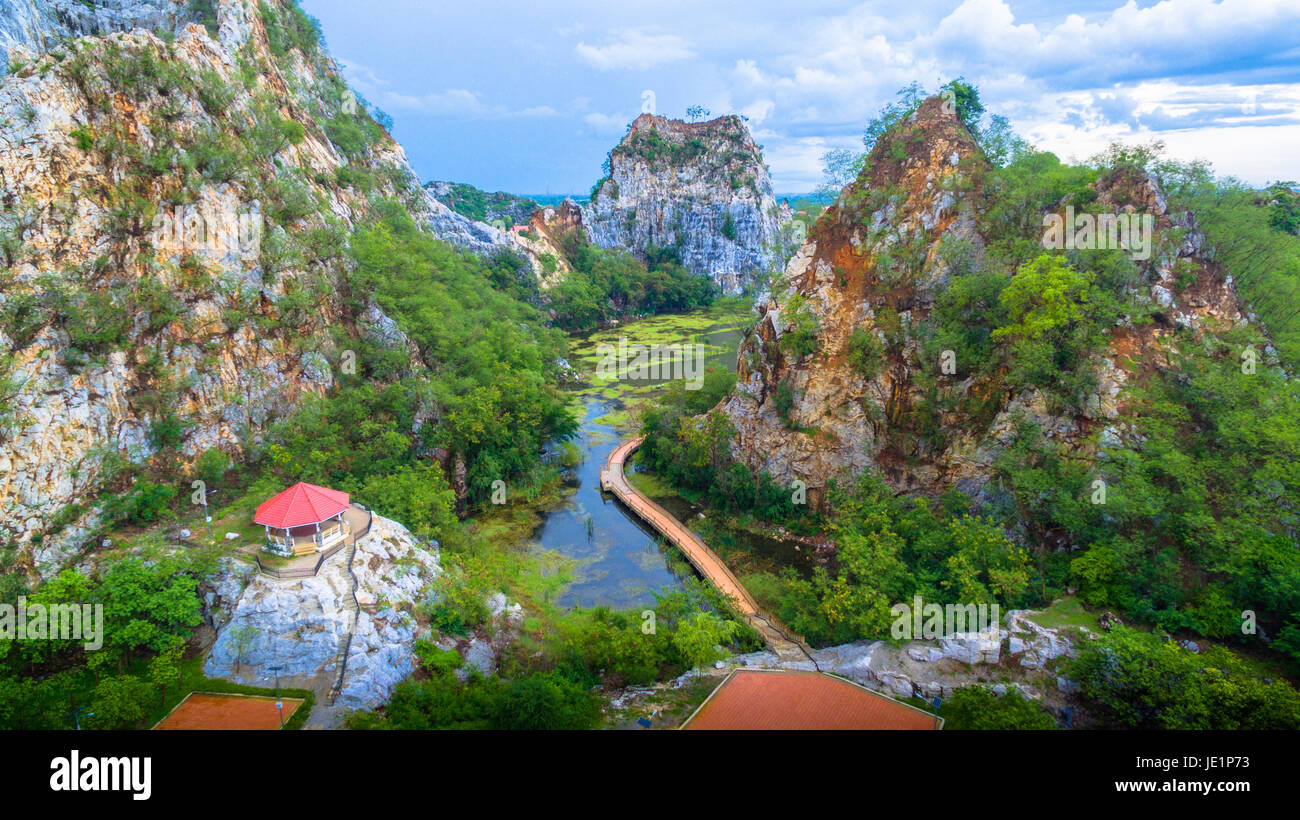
<point x="908" y="100"/>
<point x="966" y="98"/>
<point x="840" y="167"/>
<point x="242" y="639"/>
<point x="418" y="496"/>
<point x="165" y="667"/>
<point x="695" y="113"/>
<point x="698" y="639"/>
<point x="147" y="606"/>
<point x="1136" y="680"/>
<point x="546" y="703"/>
<point x="974" y="707"/>
<point x="1042" y="299"/>
<point x="119" y="702"/>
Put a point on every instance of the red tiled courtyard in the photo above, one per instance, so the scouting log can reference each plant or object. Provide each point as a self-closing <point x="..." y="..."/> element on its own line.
<point x="206" y="710"/>
<point x="791" y="700"/>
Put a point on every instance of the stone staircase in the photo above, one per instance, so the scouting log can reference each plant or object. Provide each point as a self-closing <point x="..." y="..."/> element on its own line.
<point x="354" y="612"/>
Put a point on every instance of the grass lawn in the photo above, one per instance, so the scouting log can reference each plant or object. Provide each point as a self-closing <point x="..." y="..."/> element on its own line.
<point x="1067" y="614"/>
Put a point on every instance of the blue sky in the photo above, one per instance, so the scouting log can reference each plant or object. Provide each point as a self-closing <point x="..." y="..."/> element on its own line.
<point x="529" y="97"/>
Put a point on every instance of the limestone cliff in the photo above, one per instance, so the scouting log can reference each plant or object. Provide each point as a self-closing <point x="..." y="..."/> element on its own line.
<point x="700" y="187"/>
<point x="806" y="408"/>
<point x="175" y="205"/>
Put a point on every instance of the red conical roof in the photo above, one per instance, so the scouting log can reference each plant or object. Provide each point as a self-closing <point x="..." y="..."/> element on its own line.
<point x="301" y="504"/>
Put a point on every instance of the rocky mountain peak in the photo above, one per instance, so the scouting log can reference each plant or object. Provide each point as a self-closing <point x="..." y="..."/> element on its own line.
<point x="701" y="188"/>
<point x="841" y="372"/>
<point x="728" y="126"/>
<point x="917" y="186"/>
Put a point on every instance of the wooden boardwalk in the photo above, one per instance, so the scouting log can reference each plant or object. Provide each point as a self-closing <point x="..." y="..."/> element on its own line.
<point x="785" y="643"/>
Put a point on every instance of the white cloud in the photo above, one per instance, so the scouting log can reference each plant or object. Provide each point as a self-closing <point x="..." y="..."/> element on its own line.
<point x="1218" y="77"/>
<point x="638" y="49"/>
<point x="607" y="123"/>
<point x="797" y="163"/>
<point x="1179" y="70"/>
<point x="449" y="102"/>
<point x="758" y="111"/>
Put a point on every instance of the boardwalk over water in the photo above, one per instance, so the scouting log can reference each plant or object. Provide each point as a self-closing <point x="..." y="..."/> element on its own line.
<point x="785" y="643"/>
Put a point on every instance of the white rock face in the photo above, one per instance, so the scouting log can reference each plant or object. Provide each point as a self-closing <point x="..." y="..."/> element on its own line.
<point x="700" y="187"/>
<point x="34" y="26"/>
<point x="478" y="238"/>
<point x="300" y="624"/>
<point x="1035" y="644"/>
<point x="930" y="669"/>
<point x="972" y="647"/>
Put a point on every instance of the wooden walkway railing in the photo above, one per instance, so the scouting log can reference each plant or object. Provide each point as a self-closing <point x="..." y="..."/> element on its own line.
<point x="706" y="562"/>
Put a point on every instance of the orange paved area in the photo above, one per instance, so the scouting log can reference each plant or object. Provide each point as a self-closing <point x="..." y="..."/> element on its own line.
<point x="760" y="699"/>
<point x="206" y="711"/>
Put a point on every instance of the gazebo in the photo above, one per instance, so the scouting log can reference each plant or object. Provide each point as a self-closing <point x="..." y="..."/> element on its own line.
<point x="303" y="519"/>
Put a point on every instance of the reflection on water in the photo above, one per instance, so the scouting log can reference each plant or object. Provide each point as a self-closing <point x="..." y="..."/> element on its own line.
<point x="744" y="550"/>
<point x="620" y="563"/>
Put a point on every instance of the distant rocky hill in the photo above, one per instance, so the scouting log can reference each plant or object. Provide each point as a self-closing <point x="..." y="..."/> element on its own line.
<point x="500" y="208"/>
<point x="700" y="187"/>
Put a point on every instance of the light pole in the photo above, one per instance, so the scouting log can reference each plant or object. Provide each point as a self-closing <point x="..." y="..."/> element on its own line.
<point x="279" y="703"/>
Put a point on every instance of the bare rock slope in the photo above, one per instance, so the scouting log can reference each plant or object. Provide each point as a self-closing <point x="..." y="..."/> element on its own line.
<point x="700" y="187"/>
<point x="297" y="626"/>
